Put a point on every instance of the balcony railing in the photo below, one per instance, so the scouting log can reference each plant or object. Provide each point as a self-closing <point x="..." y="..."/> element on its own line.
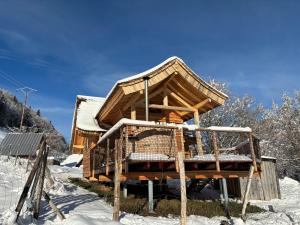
<point x="141" y="141"/>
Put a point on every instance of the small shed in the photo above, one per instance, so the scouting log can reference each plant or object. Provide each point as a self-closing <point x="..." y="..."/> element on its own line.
<point x="264" y="187"/>
<point x="21" y="144"/>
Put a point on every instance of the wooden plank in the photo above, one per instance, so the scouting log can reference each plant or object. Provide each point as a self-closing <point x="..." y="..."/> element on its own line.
<point x="168" y="175"/>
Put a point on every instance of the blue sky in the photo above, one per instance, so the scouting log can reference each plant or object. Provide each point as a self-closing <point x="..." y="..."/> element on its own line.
<point x="65" y="48"/>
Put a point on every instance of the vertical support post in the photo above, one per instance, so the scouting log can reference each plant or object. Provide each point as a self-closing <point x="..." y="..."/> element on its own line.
<point x="94" y="163"/>
<point x="225" y="192"/>
<point x="198" y="133"/>
<point x="221" y="191"/>
<point x="107" y="158"/>
<point x="150" y="196"/>
<point x="182" y="188"/>
<point x="216" y="150"/>
<point x="245" y="200"/>
<point x="116" y="207"/>
<point x="252" y="151"/>
<point x="118" y="172"/>
<point x="146" y="79"/>
<point x="166" y="103"/>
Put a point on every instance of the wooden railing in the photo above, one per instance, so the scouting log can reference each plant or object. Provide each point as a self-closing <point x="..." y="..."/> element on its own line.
<point x="117" y="144"/>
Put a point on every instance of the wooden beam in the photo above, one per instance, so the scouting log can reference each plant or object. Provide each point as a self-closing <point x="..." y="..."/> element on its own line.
<point x="196" y="174"/>
<point x="198" y="105"/>
<point x="179" y="99"/>
<point x="175" y="108"/>
<point x="202" y="103"/>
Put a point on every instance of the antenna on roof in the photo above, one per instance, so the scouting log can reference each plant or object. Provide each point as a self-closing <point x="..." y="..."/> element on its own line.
<point x="25" y="91"/>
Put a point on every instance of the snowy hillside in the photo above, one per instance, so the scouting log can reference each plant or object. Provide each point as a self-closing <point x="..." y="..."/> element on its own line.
<point x="83" y="207"/>
<point x="3" y="132"/>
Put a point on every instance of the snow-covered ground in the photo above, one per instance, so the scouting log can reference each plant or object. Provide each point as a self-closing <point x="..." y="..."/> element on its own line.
<point x="83" y="207"/>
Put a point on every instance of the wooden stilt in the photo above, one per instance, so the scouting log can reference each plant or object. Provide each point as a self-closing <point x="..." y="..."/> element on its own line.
<point x="245" y="200"/>
<point x="116" y="208"/>
<point x="183" y="219"/>
<point x="221" y="191"/>
<point x="118" y="172"/>
<point x="226" y="200"/>
<point x="150" y="196"/>
<point x="107" y="158"/>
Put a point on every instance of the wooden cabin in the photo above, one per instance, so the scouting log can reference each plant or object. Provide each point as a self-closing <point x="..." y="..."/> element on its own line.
<point x="157" y="113"/>
<point x="152" y="131"/>
<point x="85" y="128"/>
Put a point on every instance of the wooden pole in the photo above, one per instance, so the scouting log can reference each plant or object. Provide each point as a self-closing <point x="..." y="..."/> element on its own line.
<point x="245" y="200"/>
<point x="216" y="150"/>
<point x="53" y="206"/>
<point x="183" y="219"/>
<point x="28" y="184"/>
<point x="94" y="163"/>
<point x="118" y="172"/>
<point x="107" y="158"/>
<point x="198" y="134"/>
<point x="252" y="152"/>
<point x="36" y="210"/>
<point x="116" y="207"/>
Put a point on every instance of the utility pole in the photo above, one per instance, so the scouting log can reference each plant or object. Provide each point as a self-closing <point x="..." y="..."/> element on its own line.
<point x="25" y="91"/>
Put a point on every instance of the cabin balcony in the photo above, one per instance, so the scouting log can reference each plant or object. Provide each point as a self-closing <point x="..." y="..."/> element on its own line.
<point x="148" y="150"/>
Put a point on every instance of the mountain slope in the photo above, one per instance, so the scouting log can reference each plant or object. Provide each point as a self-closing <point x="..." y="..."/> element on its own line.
<point x="10" y="117"/>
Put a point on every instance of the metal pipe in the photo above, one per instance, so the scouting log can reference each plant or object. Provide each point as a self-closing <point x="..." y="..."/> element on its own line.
<point x="146" y="98"/>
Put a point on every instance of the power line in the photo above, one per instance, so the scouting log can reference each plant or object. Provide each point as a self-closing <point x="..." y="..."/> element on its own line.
<point x="25" y="91"/>
<point x="11" y="79"/>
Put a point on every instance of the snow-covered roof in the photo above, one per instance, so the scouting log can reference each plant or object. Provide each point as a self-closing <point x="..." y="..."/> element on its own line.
<point x="87" y="110"/>
<point x="149" y="71"/>
<point x="155" y="68"/>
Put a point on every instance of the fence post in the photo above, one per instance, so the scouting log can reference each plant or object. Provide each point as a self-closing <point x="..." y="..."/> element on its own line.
<point x="40" y="186"/>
